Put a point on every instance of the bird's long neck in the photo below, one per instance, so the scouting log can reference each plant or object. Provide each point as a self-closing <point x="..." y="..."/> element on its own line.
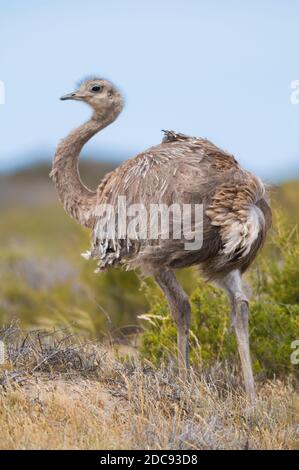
<point x="78" y="201"/>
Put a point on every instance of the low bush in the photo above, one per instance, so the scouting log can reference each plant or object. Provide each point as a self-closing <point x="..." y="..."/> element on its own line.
<point x="274" y="314"/>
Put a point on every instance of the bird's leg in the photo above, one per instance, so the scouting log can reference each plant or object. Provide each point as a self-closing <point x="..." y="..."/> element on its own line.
<point x="180" y="309"/>
<point x="239" y="314"/>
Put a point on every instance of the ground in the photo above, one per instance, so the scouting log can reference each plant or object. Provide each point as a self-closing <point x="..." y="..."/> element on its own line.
<point x="63" y="394"/>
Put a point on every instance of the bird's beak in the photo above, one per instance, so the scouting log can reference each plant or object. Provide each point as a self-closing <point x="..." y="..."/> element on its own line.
<point x="70" y="96"/>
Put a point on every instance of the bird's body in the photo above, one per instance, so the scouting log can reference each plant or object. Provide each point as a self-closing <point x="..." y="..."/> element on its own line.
<point x="180" y="171"/>
<point x="187" y="170"/>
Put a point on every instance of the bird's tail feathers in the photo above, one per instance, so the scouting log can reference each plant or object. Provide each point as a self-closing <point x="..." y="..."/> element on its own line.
<point x="240" y="220"/>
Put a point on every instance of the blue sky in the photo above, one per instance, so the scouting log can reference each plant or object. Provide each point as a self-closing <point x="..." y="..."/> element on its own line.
<point x="218" y="69"/>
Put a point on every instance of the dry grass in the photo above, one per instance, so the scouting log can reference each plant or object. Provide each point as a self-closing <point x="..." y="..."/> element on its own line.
<point x="57" y="393"/>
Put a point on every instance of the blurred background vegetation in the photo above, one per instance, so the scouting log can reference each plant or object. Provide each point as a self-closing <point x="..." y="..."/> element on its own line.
<point x="46" y="283"/>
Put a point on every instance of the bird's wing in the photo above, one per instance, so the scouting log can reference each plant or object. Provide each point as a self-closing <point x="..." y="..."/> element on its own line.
<point x="224" y="159"/>
<point x="179" y="172"/>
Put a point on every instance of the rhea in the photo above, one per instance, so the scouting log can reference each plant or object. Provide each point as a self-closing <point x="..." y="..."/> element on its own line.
<point x="180" y="170"/>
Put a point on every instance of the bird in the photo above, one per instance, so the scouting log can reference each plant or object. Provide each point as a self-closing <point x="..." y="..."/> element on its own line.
<point x="180" y="171"/>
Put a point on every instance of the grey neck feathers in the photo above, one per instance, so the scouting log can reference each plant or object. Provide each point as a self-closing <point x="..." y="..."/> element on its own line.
<point x="78" y="201"/>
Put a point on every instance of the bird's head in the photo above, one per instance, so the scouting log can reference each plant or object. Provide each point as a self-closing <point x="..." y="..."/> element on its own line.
<point x="100" y="94"/>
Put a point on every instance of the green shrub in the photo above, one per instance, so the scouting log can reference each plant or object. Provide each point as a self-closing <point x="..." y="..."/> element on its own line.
<point x="279" y="268"/>
<point x="274" y="314"/>
<point x="273" y="327"/>
<point x="45" y="282"/>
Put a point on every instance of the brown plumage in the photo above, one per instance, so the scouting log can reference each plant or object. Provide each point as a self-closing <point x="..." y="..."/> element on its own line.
<point x="181" y="170"/>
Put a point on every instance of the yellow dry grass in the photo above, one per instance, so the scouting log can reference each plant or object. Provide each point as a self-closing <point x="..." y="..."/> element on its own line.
<point x="129" y="405"/>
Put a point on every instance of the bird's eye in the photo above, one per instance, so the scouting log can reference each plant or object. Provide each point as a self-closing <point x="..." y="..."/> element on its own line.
<point x="96" y="88"/>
